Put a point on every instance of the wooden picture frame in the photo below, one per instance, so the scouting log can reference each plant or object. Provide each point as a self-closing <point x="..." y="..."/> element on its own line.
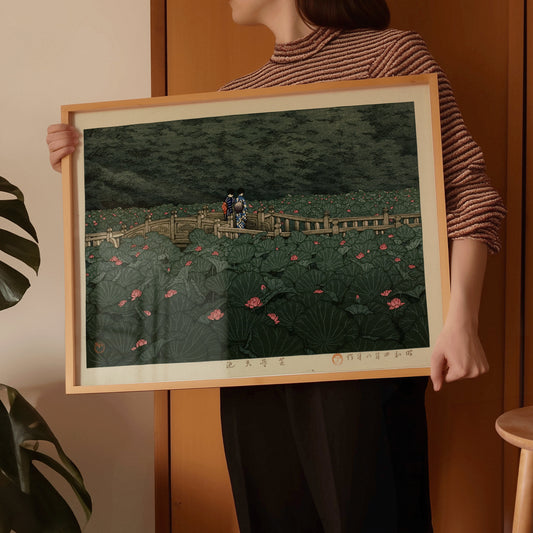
<point x="334" y="265"/>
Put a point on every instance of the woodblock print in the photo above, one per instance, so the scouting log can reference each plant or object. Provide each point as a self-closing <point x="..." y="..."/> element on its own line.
<point x="279" y="289"/>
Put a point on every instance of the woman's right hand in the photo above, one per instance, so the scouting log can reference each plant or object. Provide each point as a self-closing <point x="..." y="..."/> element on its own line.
<point x="62" y="140"/>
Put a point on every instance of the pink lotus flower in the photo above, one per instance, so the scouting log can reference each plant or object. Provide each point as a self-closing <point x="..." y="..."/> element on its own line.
<point x="114" y="259"/>
<point x="274" y="317"/>
<point x="136" y="293"/>
<point x="296" y="210"/>
<point x="122" y="303"/>
<point x="171" y="293"/>
<point x="382" y="246"/>
<point x="391" y="236"/>
<point x="253" y="302"/>
<point x="357" y="297"/>
<point x="145" y="247"/>
<point x="215" y="253"/>
<point x="395" y="303"/>
<point x="348" y="210"/>
<point x="198" y="249"/>
<point x="147" y="313"/>
<point x="134" y="246"/>
<point x="360" y="255"/>
<point x="263" y="287"/>
<point x="342" y="243"/>
<point x="217" y="314"/>
<point x="118" y="262"/>
<point x="318" y="291"/>
<point x="141" y="342"/>
<point x="294" y="258"/>
<point x="316" y="242"/>
<point x="91" y="256"/>
<point x="412" y="266"/>
<point x="188" y="263"/>
<point x="397" y="259"/>
<point x="386" y="293"/>
<point x="137" y="254"/>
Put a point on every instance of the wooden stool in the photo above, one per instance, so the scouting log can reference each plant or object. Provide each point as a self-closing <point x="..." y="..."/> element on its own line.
<point x="516" y="427"/>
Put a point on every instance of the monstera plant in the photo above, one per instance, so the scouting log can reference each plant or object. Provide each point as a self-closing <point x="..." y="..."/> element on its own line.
<point x="29" y="503"/>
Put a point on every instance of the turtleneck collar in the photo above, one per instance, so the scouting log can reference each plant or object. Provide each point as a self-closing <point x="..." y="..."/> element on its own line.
<point x="305" y="47"/>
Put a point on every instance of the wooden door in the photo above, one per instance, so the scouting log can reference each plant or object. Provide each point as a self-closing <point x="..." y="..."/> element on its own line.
<point x="479" y="44"/>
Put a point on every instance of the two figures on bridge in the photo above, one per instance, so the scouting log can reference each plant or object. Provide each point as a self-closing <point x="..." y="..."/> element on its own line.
<point x="235" y="206"/>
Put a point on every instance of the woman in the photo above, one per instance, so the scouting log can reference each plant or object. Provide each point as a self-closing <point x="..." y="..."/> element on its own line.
<point x="352" y="456"/>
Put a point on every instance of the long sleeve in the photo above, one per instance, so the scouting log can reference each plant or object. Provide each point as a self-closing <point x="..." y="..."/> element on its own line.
<point x="474" y="208"/>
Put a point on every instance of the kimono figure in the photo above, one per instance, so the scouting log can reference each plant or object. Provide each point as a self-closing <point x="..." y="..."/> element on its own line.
<point x="227" y="206"/>
<point x="240" y="209"/>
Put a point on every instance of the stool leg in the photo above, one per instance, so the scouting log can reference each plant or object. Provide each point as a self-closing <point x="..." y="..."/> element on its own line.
<point x="523" y="511"/>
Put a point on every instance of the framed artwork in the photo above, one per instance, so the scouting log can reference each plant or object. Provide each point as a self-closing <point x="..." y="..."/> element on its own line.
<point x="251" y="237"/>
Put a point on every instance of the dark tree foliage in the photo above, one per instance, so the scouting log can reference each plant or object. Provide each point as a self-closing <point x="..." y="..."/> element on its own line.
<point x="331" y="150"/>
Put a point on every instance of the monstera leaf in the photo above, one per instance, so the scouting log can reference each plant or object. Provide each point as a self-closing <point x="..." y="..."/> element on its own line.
<point x="13" y="284"/>
<point x="28" y="501"/>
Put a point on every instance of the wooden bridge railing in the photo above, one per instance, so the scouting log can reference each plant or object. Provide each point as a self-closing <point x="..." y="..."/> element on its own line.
<point x="273" y="224"/>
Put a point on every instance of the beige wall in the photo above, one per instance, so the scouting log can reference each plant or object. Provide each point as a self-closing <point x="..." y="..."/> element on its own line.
<point x="52" y="53"/>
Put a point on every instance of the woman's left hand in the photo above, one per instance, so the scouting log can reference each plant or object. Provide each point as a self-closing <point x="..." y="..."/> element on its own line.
<point x="458" y="354"/>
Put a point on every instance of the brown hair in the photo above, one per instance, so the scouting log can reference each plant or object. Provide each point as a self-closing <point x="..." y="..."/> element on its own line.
<point x="345" y="14"/>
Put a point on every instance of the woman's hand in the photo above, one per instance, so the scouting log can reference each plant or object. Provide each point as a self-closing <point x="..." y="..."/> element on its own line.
<point x="62" y="140"/>
<point x="458" y="353"/>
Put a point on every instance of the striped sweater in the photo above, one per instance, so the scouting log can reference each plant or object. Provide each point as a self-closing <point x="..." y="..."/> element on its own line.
<point x="474" y="208"/>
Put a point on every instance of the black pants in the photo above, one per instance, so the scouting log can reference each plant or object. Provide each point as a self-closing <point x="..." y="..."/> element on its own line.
<point x="334" y="457"/>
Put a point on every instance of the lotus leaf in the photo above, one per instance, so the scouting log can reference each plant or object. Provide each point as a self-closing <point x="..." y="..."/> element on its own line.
<point x="378" y="326"/>
<point x="128" y="276"/>
<point x="218" y="263"/>
<point x="106" y="251"/>
<point x="274" y="342"/>
<point x="244" y="238"/>
<point x="358" y="309"/>
<point x="371" y="284"/>
<point x="416" y="313"/>
<point x="296" y="238"/>
<point x="337" y="287"/>
<point x="417" y="335"/>
<point x="187" y="297"/>
<point x="276" y="262"/>
<point x="288" y="311"/>
<point x="243" y="267"/>
<point x="220" y="282"/>
<point x="244" y="287"/>
<point x="279" y="242"/>
<point x="328" y="259"/>
<point x="416" y="292"/>
<point x="191" y="341"/>
<point x="415" y="243"/>
<point x="367" y="238"/>
<point x="198" y="264"/>
<point x="405" y="233"/>
<point x="307" y="248"/>
<point x="264" y="246"/>
<point x="240" y="323"/>
<point x="197" y="236"/>
<point x="293" y="272"/>
<point x="323" y="327"/>
<point x="311" y="281"/>
<point x="109" y="294"/>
